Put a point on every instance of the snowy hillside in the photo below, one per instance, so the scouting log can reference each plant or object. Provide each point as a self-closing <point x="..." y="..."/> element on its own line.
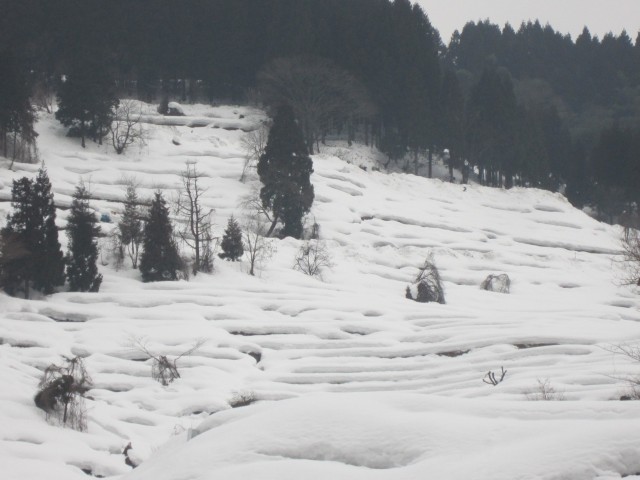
<point x="353" y="381"/>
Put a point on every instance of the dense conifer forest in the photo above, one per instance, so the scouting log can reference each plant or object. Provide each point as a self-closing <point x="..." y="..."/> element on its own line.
<point x="506" y="105"/>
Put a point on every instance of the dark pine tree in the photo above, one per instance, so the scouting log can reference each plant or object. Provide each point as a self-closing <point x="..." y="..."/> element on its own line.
<point x="16" y="112"/>
<point x="231" y="244"/>
<point x="131" y="225"/>
<point x="31" y="254"/>
<point x="18" y="239"/>
<point x="159" y="260"/>
<point x="285" y="169"/>
<point x="48" y="257"/>
<point x="86" y="98"/>
<point x="82" y="271"/>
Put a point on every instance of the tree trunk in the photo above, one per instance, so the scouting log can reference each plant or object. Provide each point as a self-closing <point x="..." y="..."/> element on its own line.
<point x="451" y="160"/>
<point x="82" y="133"/>
<point x="430" y="162"/>
<point x="273" y="225"/>
<point x="465" y="172"/>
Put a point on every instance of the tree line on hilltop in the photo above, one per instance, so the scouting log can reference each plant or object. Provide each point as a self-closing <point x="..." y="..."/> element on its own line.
<point x="526" y="106"/>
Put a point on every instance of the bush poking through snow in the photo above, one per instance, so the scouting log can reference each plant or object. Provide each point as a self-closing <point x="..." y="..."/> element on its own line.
<point x="312" y="258"/>
<point x="497" y="283"/>
<point x="163" y="368"/>
<point x="242" y="399"/>
<point x="427" y="287"/>
<point x="492" y="379"/>
<point x="544" y="391"/>
<point x="61" y="393"/>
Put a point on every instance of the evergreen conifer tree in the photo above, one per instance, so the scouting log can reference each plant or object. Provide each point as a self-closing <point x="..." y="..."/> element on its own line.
<point x="17" y="240"/>
<point x="130" y="226"/>
<point x="48" y="257"/>
<point x="31" y="253"/>
<point x="86" y="98"/>
<point x="82" y="271"/>
<point x="159" y="260"/>
<point x="231" y="244"/>
<point x="285" y="169"/>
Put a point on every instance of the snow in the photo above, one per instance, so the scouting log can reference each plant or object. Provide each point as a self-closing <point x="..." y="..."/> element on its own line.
<point x="353" y="380"/>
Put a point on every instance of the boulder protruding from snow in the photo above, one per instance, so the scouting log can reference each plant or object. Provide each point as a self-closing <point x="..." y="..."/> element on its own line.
<point x="497" y="283"/>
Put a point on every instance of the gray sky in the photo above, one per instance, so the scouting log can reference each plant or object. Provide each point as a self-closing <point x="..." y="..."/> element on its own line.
<point x="566" y="16"/>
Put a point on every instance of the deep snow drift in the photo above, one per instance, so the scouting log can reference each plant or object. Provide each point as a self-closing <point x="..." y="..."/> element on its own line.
<point x="353" y="380"/>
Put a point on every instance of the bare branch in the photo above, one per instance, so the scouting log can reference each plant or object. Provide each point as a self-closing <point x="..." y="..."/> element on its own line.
<point x="491" y="379"/>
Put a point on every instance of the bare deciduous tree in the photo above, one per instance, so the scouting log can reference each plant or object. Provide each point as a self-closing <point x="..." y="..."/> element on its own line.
<point x="44" y="95"/>
<point x="163" y="368"/>
<point x="257" y="247"/>
<point x="632" y="352"/>
<point x="312" y="258"/>
<point x="196" y="219"/>
<point x="631" y="256"/>
<point x="126" y="128"/>
<point x="253" y="145"/>
<point x="252" y="205"/>
<point x="321" y="94"/>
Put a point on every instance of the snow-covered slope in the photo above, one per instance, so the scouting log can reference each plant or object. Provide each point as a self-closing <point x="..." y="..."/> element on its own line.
<point x="353" y="380"/>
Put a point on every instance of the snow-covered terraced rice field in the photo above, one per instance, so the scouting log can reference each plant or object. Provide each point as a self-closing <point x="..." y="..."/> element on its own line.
<point x="352" y="379"/>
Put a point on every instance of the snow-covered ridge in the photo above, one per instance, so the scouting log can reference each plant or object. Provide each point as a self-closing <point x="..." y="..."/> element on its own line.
<point x="368" y="383"/>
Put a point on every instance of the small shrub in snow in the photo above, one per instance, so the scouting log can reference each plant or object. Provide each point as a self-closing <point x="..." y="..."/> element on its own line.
<point x="497" y="283"/>
<point x="544" y="391"/>
<point x="312" y="258"/>
<point x="242" y="399"/>
<point x="61" y="393"/>
<point x="427" y="287"/>
<point x="164" y="369"/>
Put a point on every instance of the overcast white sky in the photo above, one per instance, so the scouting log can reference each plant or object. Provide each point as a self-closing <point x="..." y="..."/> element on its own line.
<point x="566" y="16"/>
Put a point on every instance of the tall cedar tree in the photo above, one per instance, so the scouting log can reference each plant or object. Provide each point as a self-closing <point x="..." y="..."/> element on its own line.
<point x="231" y="244"/>
<point x="285" y="169"/>
<point x="159" y="260"/>
<point x="17" y="240"/>
<point x="86" y="98"/>
<point x="31" y="253"/>
<point x="48" y="257"/>
<point x="131" y="225"/>
<point x="82" y="271"/>
<point x="16" y="112"/>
